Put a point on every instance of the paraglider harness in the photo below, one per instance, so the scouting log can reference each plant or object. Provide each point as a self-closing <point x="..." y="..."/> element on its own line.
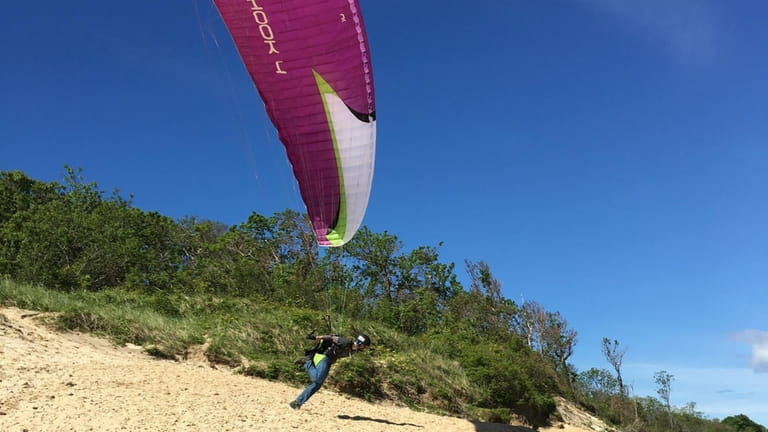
<point x="316" y="353"/>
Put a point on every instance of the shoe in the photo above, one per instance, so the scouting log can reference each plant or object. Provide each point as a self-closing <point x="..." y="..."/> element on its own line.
<point x="295" y="405"/>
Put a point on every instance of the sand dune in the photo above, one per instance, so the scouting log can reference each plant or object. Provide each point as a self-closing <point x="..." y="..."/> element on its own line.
<point x="52" y="381"/>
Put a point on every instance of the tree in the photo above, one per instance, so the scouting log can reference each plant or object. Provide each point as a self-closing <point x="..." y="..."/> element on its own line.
<point x="78" y="239"/>
<point x="664" y="381"/>
<point x="597" y="383"/>
<point x="375" y="272"/>
<point x="490" y="312"/>
<point x="18" y="193"/>
<point x="615" y="357"/>
<point x="742" y="423"/>
<point x="548" y="334"/>
<point x="423" y="289"/>
<point x="287" y="251"/>
<point x="529" y="323"/>
<point x="559" y="341"/>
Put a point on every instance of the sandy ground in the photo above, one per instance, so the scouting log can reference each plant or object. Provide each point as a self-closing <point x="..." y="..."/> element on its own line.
<point x="52" y="381"/>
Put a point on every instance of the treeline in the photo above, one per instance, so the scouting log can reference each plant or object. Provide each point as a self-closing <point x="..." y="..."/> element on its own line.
<point x="72" y="237"/>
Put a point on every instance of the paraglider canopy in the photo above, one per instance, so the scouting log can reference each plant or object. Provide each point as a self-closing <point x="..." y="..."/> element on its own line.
<point x="310" y="62"/>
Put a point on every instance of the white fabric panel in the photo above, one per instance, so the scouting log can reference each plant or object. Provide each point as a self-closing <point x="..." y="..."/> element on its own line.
<point x="356" y="149"/>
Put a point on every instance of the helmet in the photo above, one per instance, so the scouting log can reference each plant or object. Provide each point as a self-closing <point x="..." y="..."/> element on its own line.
<point x="363" y="339"/>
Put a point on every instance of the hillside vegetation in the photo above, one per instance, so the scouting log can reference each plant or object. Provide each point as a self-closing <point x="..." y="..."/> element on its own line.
<point x="251" y="292"/>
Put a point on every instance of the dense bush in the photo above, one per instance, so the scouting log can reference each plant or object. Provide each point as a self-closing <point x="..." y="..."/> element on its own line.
<point x="249" y="292"/>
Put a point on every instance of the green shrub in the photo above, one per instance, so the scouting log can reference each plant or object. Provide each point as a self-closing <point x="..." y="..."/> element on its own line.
<point x="357" y="376"/>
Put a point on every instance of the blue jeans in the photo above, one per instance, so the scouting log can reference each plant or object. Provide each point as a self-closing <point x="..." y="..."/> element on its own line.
<point x="318" y="374"/>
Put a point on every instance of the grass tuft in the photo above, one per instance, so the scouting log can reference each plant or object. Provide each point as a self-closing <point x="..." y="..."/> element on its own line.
<point x="259" y="339"/>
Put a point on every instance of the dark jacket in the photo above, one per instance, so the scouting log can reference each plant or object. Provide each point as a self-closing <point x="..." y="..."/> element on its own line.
<point x="336" y="347"/>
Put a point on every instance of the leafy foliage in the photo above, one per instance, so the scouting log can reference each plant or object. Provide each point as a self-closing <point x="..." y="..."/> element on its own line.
<point x="248" y="292"/>
<point x="742" y="423"/>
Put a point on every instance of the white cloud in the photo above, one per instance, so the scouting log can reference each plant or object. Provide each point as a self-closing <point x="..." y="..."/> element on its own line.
<point x="759" y="341"/>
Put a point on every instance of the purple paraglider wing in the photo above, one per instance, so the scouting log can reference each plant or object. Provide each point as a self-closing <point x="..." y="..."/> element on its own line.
<point x="310" y="62"/>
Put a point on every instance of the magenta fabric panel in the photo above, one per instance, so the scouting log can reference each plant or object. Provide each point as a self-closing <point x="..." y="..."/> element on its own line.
<point x="281" y="42"/>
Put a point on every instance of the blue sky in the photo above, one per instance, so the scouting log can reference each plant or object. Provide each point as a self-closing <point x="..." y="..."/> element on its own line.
<point x="607" y="158"/>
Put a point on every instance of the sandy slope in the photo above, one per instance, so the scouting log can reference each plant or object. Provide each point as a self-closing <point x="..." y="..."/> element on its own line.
<point x="53" y="381"/>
